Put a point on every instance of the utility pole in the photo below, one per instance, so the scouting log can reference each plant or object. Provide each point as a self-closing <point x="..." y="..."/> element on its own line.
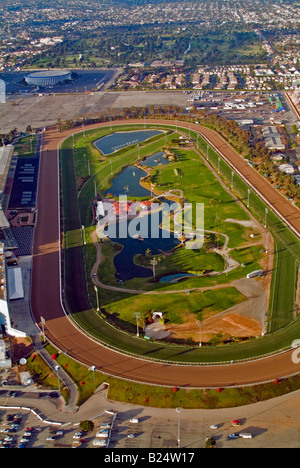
<point x="137" y="314"/>
<point x="153" y="262"/>
<point x="97" y="298"/>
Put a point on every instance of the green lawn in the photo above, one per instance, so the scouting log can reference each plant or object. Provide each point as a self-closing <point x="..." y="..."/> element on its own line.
<point x="176" y="308"/>
<point x="200" y="185"/>
<point x="25" y="148"/>
<point x="114" y="337"/>
<point x="284" y="283"/>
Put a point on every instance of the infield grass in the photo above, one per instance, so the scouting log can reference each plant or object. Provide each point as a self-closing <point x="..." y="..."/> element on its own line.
<point x="107" y="333"/>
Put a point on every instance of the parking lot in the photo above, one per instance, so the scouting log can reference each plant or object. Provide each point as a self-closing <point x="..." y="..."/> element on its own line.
<point x="22" y="429"/>
<point x="274" y="423"/>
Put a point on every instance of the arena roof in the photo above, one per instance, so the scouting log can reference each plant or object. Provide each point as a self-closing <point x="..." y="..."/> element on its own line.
<point x="49" y="73"/>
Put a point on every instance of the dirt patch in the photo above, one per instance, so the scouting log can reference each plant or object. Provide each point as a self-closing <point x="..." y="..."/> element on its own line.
<point x="230" y="325"/>
<point x="184" y="331"/>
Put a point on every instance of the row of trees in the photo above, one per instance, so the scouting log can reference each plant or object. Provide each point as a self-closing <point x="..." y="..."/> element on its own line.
<point x="258" y="154"/>
<point x="229" y="129"/>
<point x="7" y="138"/>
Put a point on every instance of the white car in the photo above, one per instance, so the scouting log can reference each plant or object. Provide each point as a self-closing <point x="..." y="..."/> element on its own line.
<point x="100" y="443"/>
<point x="105" y="426"/>
<point x="50" y="438"/>
<point x="77" y="435"/>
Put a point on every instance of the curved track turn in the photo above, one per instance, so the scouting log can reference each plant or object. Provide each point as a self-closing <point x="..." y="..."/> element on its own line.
<point x="46" y="291"/>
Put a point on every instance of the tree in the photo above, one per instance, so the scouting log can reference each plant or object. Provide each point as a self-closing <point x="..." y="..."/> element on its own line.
<point x="210" y="442"/>
<point x="87" y="426"/>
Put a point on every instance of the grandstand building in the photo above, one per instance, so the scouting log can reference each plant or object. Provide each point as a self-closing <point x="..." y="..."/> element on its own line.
<point x="6" y="153"/>
<point x="48" y="77"/>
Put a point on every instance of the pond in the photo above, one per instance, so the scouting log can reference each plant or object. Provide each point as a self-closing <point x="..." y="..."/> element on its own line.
<point x="155" y="159"/>
<point x="175" y="277"/>
<point x="128" y="183"/>
<point x="126" y="269"/>
<point x="111" y="143"/>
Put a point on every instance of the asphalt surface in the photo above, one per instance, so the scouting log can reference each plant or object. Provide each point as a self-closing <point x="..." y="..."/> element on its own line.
<point x="273" y="423"/>
<point x="46" y="300"/>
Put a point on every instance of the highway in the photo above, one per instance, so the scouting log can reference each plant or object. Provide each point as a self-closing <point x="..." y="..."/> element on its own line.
<point x="62" y="332"/>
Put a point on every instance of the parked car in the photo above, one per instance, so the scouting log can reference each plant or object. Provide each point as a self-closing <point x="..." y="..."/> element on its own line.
<point x="234" y="436"/>
<point x="236" y="422"/>
<point x="105" y="426"/>
<point x="100" y="443"/>
<point x="246" y="435"/>
<point x="102" y="434"/>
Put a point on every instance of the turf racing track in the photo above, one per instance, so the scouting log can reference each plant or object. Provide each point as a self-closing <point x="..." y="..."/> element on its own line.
<point x="46" y="295"/>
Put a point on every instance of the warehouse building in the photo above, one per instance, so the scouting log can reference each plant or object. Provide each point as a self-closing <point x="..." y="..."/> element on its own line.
<point x="272" y="138"/>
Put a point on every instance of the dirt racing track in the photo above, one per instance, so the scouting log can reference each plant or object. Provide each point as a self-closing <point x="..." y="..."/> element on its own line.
<point x="46" y="298"/>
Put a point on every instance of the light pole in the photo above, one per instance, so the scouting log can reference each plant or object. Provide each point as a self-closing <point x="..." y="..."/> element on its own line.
<point x="266" y="214"/>
<point x="137" y="314"/>
<point x="93" y="368"/>
<point x="83" y="235"/>
<point x="56" y="370"/>
<point x="199" y="325"/>
<point x="43" y="327"/>
<point x="248" y="202"/>
<point x="153" y="263"/>
<point x="97" y="297"/>
<point x="232" y="174"/>
<point x="178" y="411"/>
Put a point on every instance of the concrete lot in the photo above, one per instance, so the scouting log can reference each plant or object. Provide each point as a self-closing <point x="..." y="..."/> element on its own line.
<point x="273" y="424"/>
<point x="39" y="111"/>
<point x="42" y="111"/>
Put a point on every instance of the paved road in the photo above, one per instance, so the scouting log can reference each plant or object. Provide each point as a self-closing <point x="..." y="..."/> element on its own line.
<point x="45" y="298"/>
<point x="274" y="423"/>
